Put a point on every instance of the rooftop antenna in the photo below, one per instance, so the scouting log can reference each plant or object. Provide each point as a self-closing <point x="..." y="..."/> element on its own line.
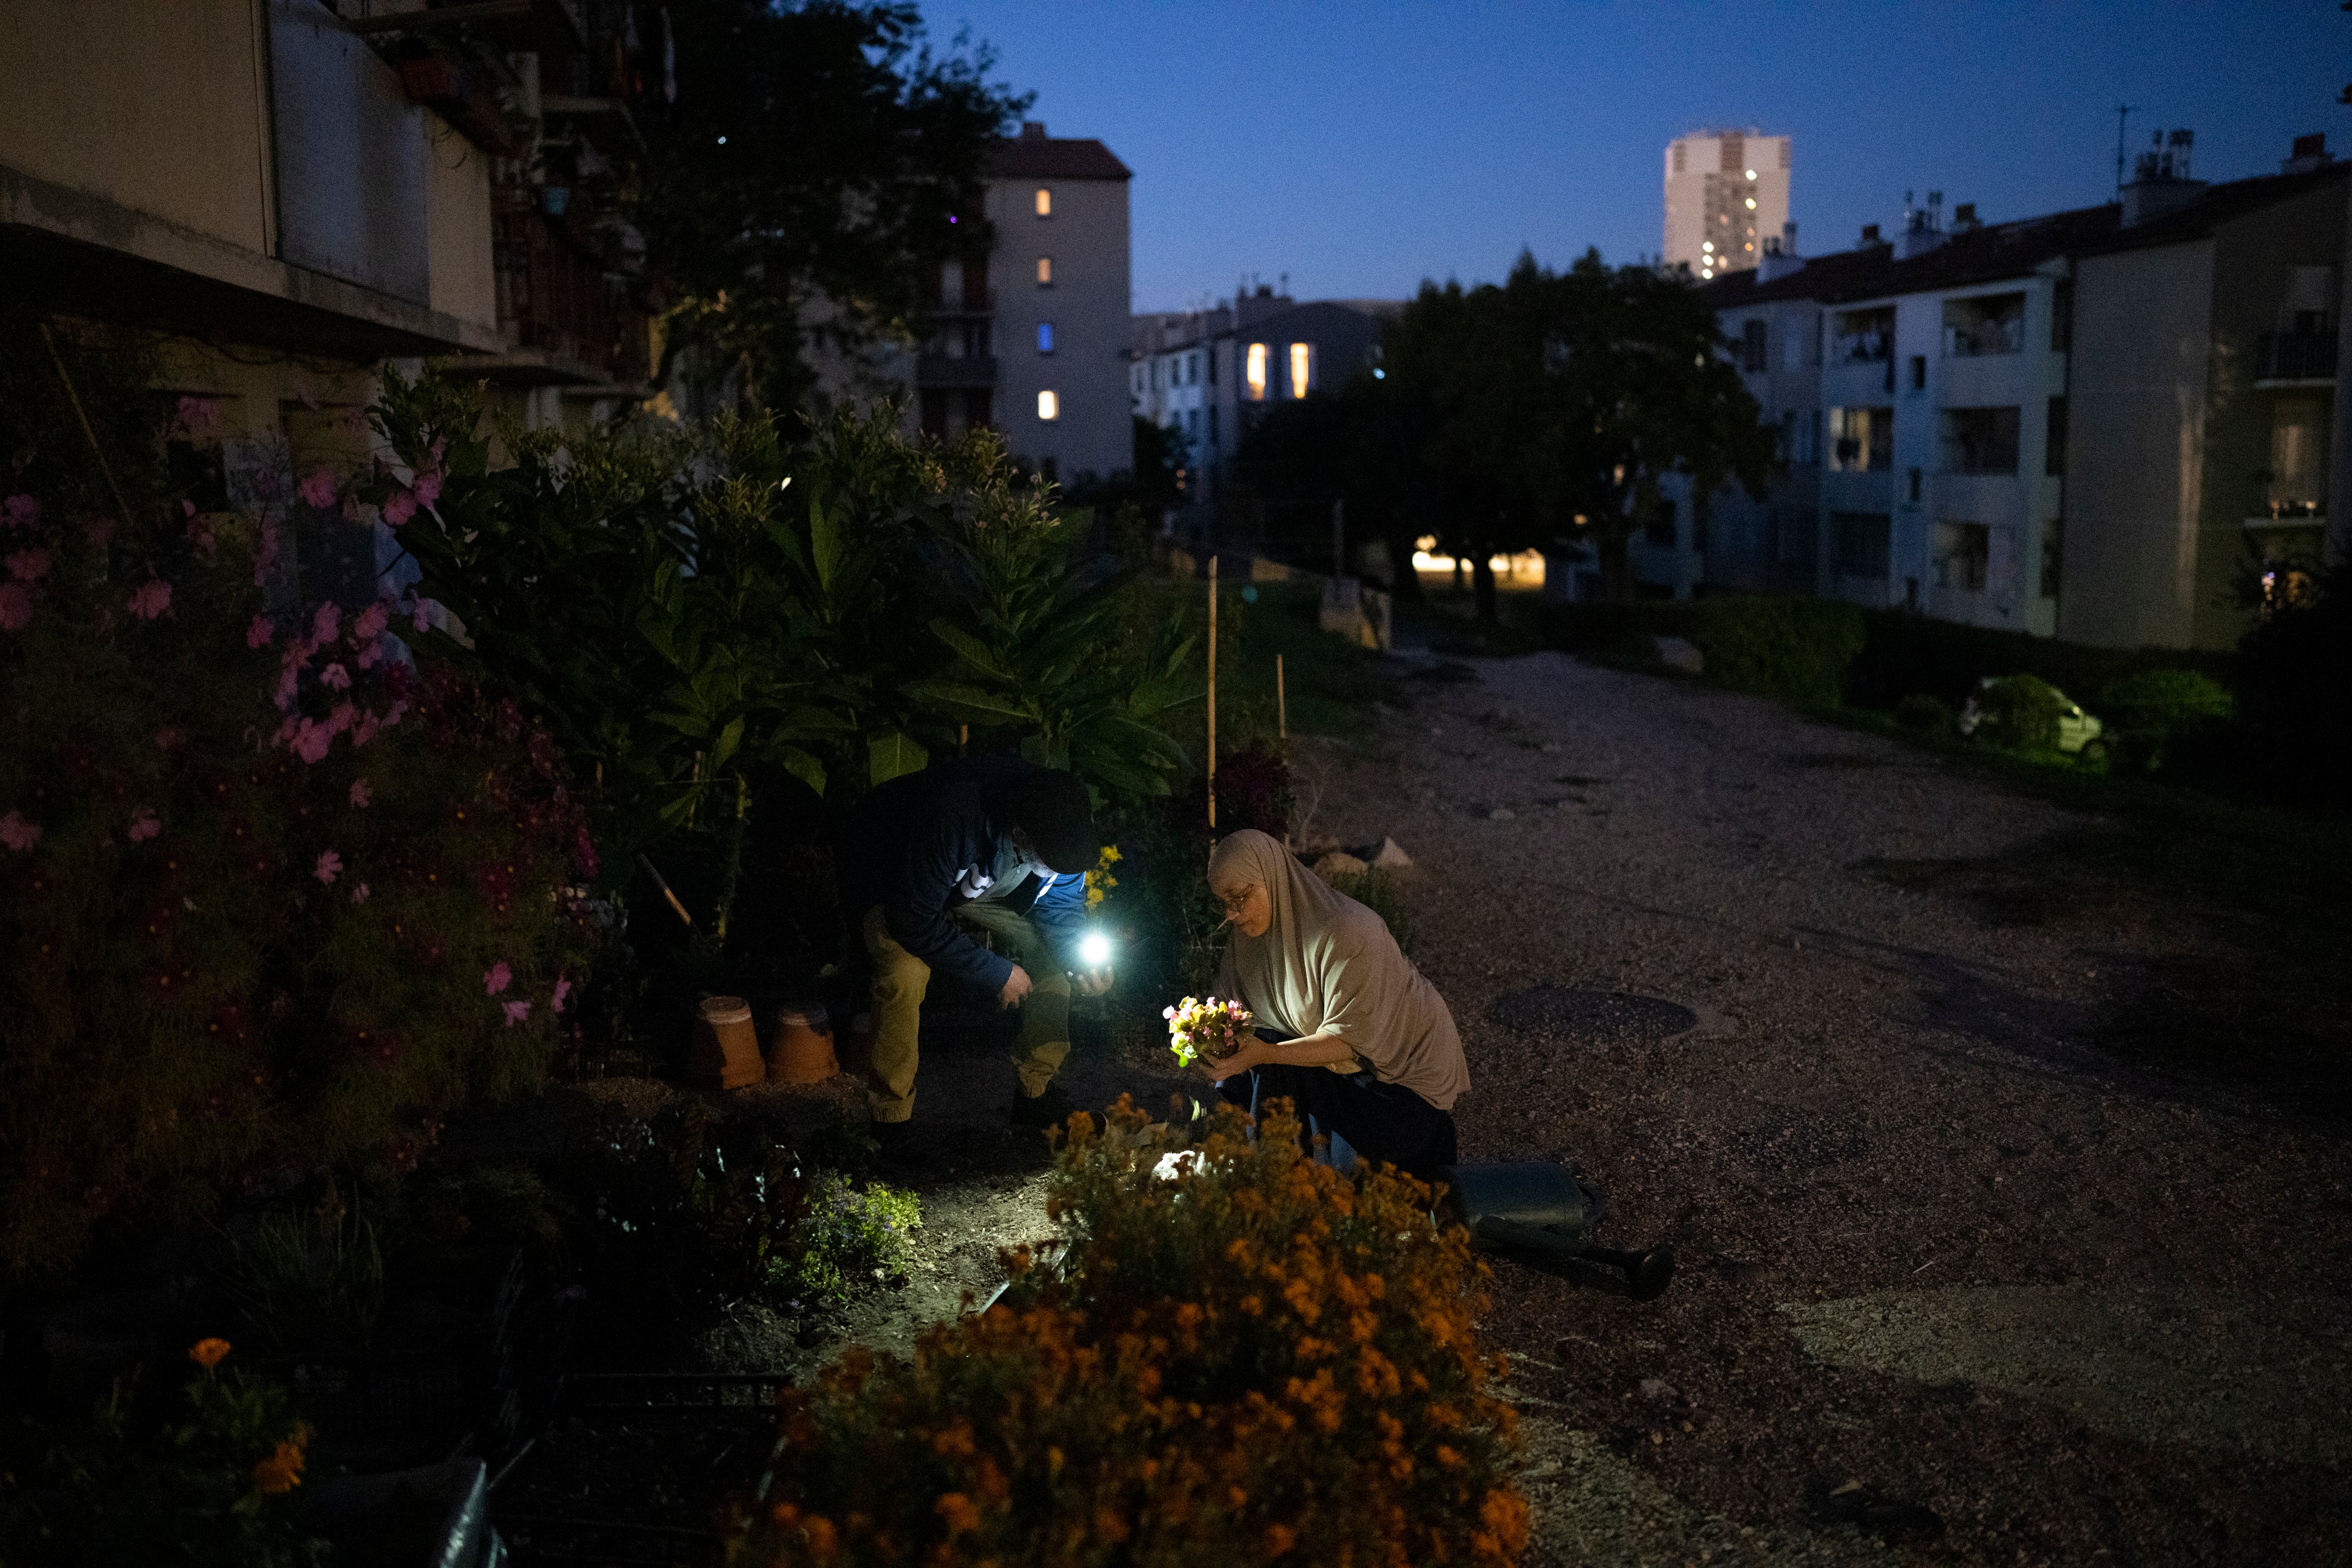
<point x="2122" y="113"/>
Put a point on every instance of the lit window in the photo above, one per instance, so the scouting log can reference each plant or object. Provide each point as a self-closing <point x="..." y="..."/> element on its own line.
<point x="1045" y="337"/>
<point x="1044" y="272"/>
<point x="1706" y="245"/>
<point x="1751" y="203"/>
<point x="1752" y="174"/>
<point x="1302" y="361"/>
<point x="1045" y="202"/>
<point x="1049" y="405"/>
<point x="1256" y="375"/>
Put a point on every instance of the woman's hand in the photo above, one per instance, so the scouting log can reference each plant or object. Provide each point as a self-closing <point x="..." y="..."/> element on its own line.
<point x="1232" y="1066"/>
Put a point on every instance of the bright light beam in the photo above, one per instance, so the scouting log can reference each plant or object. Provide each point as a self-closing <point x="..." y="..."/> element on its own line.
<point x="1094" y="950"/>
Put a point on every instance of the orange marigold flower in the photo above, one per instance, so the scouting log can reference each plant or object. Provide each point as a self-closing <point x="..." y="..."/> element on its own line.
<point x="957" y="1511"/>
<point x="209" y="1352"/>
<point x="281" y="1471"/>
<point x="1279" y="1539"/>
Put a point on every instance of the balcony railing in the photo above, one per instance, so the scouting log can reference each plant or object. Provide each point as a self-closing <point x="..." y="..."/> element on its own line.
<point x="2295" y="357"/>
<point x="556" y="298"/>
<point x="952" y="370"/>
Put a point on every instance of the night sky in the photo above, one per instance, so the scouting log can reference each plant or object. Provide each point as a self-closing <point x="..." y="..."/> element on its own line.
<point x="1360" y="148"/>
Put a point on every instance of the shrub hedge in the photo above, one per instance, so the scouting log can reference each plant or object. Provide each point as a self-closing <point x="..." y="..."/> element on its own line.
<point x="1793" y="648"/>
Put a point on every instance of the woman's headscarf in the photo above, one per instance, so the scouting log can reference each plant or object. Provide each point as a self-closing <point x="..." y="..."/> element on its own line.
<point x="1327" y="965"/>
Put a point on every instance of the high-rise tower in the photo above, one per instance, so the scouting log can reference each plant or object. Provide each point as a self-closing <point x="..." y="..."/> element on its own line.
<point x="1727" y="196"/>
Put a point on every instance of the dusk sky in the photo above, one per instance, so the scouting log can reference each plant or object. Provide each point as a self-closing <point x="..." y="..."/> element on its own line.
<point x="1360" y="148"/>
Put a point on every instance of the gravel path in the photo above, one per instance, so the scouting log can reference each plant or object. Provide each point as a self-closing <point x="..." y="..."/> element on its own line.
<point x="1958" y="1283"/>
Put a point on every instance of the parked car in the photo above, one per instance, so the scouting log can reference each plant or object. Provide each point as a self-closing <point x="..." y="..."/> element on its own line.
<point x="2026" y="712"/>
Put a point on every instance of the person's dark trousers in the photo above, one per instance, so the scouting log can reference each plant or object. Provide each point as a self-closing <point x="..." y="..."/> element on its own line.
<point x="1356" y="1112"/>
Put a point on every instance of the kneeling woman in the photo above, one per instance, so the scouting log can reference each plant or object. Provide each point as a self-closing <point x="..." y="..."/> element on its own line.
<point x="1349" y="1031"/>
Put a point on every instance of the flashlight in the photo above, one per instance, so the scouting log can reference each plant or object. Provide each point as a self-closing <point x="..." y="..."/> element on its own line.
<point x="1094" y="950"/>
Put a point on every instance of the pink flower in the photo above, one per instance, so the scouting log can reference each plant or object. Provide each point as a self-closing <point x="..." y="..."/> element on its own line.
<point x="516" y="1012"/>
<point x="336" y="678"/>
<point x="29" y="564"/>
<point x="361" y="794"/>
<point x="150" y="598"/>
<point x="369" y="624"/>
<point x="562" y="994"/>
<point x="360" y="893"/>
<point x="423" y="616"/>
<point x="311" y="741"/>
<point x="318" y="489"/>
<point x="427" y="488"/>
<point x="287" y="679"/>
<point x="398" y="507"/>
<point x="16" y="606"/>
<point x="143" y="826"/>
<point x="259" y="633"/>
<point x="342" y="717"/>
<point x="325" y="623"/>
<point x="21" y="512"/>
<point x="499" y="978"/>
<point x="15" y="831"/>
<point x="365" y="731"/>
<point x="369" y="655"/>
<point x="265" y="481"/>
<point x="393" y="714"/>
<point x="197" y="414"/>
<point x="330" y="867"/>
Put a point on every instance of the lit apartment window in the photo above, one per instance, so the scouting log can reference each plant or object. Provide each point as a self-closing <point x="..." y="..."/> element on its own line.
<point x="1302" y="367"/>
<point x="1045" y="337"/>
<point x="1045" y="202"/>
<point x="1044" y="272"/>
<point x="1256" y="375"/>
<point x="1049" y="405"/>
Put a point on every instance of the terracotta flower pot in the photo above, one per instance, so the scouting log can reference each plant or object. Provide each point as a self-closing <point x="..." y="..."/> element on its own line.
<point x="726" y="1046"/>
<point x="802" y="1050"/>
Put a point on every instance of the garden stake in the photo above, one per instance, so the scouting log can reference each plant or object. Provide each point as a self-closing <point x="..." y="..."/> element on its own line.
<point x="666" y="892"/>
<point x="90" y="434"/>
<point x="1212" y="695"/>
<point x="1281" y="708"/>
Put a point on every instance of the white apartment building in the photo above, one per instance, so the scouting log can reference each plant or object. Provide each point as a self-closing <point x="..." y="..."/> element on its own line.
<point x="1726" y="198"/>
<point x="2097" y="424"/>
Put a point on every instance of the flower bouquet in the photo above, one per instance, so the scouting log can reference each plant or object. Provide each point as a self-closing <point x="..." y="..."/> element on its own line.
<point x="1210" y="1031"/>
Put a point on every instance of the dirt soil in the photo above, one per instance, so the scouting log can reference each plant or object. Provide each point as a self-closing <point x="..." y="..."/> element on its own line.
<point x="1964" y="1275"/>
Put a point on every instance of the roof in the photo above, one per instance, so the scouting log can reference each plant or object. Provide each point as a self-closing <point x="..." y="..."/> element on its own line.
<point x="1996" y="251"/>
<point x="1027" y="157"/>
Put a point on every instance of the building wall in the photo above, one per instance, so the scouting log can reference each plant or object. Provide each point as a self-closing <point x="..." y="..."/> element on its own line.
<point x="2256" y="290"/>
<point x="1087" y="236"/>
<point x="2136" y="439"/>
<point x="1706" y="190"/>
<point x="460" y="255"/>
<point x="175" y="125"/>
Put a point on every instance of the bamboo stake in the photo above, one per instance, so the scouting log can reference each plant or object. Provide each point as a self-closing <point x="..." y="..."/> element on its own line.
<point x="1281" y="707"/>
<point x="1213" y="694"/>
<point x="97" y="451"/>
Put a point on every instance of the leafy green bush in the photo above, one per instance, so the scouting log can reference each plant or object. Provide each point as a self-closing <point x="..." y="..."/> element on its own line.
<point x="2019" y="713"/>
<point x="1904" y="653"/>
<point x="2150" y="715"/>
<point x="1791" y="648"/>
<point x="1244" y="1358"/>
<point x="1927" y="715"/>
<point x="1377" y="892"/>
<point x="851" y="1240"/>
<point x="218" y="1487"/>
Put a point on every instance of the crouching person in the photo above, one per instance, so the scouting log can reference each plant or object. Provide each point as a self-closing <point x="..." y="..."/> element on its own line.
<point x="1350" y="1033"/>
<point x="933" y="860"/>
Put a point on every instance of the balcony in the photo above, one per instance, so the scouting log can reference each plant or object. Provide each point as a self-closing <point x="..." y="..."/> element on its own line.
<point x="567" y="318"/>
<point x="2295" y="357"/>
<point x="955" y="371"/>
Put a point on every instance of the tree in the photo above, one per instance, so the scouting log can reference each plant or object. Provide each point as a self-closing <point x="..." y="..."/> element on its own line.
<point x="806" y="178"/>
<point x="1557" y="402"/>
<point x="1361" y="445"/>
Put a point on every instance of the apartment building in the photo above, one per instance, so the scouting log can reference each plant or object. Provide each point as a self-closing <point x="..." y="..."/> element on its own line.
<point x="1726" y="197"/>
<point x="1210" y="375"/>
<point x="2100" y="424"/>
<point x="1027" y="331"/>
<point x="286" y="193"/>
